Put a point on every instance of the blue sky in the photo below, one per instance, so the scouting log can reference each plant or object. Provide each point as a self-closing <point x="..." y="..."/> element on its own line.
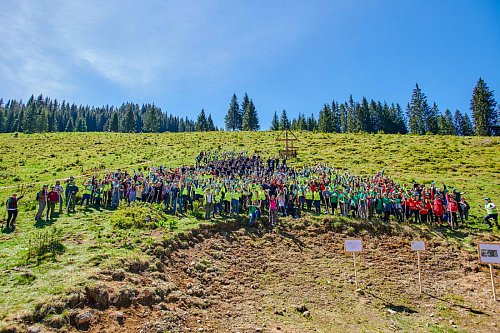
<point x="293" y="55"/>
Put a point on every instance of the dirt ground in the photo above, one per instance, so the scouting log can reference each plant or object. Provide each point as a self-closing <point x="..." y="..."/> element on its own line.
<point x="293" y="279"/>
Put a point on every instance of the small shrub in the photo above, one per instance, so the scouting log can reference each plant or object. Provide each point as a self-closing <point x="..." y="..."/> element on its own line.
<point x="45" y="244"/>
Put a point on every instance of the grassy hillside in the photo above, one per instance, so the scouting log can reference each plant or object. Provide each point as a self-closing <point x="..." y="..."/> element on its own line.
<point x="90" y="241"/>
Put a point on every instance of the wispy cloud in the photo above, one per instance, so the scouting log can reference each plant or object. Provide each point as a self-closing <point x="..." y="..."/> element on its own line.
<point x="135" y="46"/>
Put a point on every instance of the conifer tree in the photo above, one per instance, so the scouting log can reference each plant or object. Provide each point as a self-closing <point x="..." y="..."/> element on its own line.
<point x="201" y="122"/>
<point x="275" y="123"/>
<point x="415" y="111"/>
<point x="284" y="122"/>
<point x="446" y="126"/>
<point x="325" y="119"/>
<point x="335" y="117"/>
<point x="210" y="124"/>
<point x="467" y="127"/>
<point x="312" y="124"/>
<point x="482" y="106"/>
<point x="457" y="122"/>
<point x="250" y="119"/>
<point x="232" y="119"/>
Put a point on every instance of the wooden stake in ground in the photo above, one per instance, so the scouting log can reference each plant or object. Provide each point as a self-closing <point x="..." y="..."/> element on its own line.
<point x="418" y="246"/>
<point x="489" y="253"/>
<point x="354" y="245"/>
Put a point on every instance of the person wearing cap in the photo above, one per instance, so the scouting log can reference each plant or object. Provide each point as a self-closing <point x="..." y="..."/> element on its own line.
<point x="41" y="197"/>
<point x="491" y="212"/>
<point x="12" y="209"/>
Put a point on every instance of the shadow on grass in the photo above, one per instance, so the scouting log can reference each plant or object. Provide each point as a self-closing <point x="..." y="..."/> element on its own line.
<point x="391" y="306"/>
<point x="43" y="223"/>
<point x="468" y="308"/>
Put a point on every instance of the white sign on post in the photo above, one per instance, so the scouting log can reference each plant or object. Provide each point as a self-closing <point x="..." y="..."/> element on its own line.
<point x="353" y="245"/>
<point x="418" y="246"/>
<point x="489" y="253"/>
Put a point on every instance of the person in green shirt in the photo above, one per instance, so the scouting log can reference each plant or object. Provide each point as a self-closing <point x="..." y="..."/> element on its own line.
<point x="334" y="199"/>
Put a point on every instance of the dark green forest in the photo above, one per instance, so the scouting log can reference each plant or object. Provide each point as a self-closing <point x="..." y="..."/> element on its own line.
<point x="43" y="114"/>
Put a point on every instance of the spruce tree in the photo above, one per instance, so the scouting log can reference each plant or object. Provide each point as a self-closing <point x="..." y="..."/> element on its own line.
<point x="114" y="125"/>
<point x="457" y="122"/>
<point x="275" y="123"/>
<point x="70" y="127"/>
<point x="151" y="119"/>
<point x="232" y="119"/>
<point x="415" y="111"/>
<point x="482" y="106"/>
<point x="284" y="122"/>
<point x="81" y="124"/>
<point x="128" y="123"/>
<point x="431" y="116"/>
<point x="335" y="117"/>
<point x="312" y="124"/>
<point x="210" y="124"/>
<point x="325" y="119"/>
<point x="467" y="127"/>
<point x="446" y="126"/>
<point x="250" y="120"/>
<point x="29" y="120"/>
<point x="201" y="122"/>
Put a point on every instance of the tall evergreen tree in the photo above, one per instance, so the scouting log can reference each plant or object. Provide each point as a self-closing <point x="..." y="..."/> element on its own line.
<point x="457" y="122"/>
<point x="233" y="116"/>
<point x="29" y="120"/>
<point x="343" y="118"/>
<point x="250" y="118"/>
<point x="210" y="124"/>
<point x="275" y="123"/>
<point x="335" y="117"/>
<point x="482" y="106"/>
<point x="201" y="122"/>
<point x="325" y="119"/>
<point x="362" y="121"/>
<point x="152" y="119"/>
<point x="431" y="116"/>
<point x="114" y="125"/>
<point x="128" y="123"/>
<point x="312" y="124"/>
<point x="415" y="111"/>
<point x="467" y="127"/>
<point x="81" y="124"/>
<point x="284" y="122"/>
<point x="70" y="126"/>
<point x="446" y="126"/>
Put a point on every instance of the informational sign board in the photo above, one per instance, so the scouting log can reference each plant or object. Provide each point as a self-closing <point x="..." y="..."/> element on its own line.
<point x="489" y="253"/>
<point x="418" y="246"/>
<point x="353" y="245"/>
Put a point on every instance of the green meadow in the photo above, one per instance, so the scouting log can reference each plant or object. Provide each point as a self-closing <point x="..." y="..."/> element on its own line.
<point x="82" y="244"/>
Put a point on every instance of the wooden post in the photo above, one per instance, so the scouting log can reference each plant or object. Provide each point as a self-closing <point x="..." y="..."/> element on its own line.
<point x="492" y="283"/>
<point x="419" y="273"/>
<point x="355" y="270"/>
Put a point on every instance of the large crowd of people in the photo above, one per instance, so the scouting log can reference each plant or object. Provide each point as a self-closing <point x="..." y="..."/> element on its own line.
<point x="234" y="184"/>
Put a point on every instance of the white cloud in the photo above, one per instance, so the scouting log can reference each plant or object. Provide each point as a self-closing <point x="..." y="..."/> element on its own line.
<point x="136" y="46"/>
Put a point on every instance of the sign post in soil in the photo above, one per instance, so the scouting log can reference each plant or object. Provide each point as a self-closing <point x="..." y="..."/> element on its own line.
<point x="418" y="246"/>
<point x="354" y="245"/>
<point x="489" y="253"/>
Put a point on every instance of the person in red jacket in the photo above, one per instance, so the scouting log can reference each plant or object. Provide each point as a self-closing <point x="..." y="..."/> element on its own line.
<point x="425" y="208"/>
<point x="452" y="209"/>
<point x="413" y="205"/>
<point x="52" y="200"/>
<point x="438" y="209"/>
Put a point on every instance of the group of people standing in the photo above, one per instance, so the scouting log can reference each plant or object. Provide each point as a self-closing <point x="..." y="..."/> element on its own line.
<point x="229" y="183"/>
